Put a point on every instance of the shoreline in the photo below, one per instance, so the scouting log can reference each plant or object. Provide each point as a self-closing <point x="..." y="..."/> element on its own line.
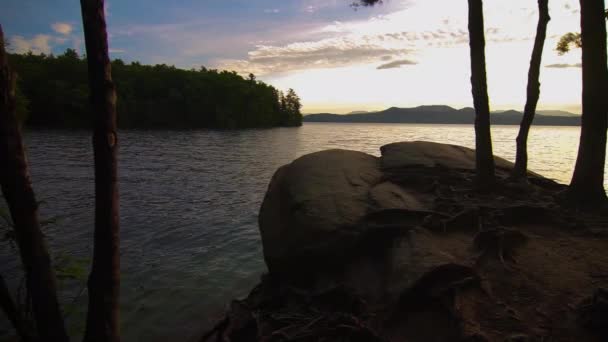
<point x="404" y="247"/>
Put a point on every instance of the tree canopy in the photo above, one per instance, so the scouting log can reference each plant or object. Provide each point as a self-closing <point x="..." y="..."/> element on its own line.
<point x="365" y="3"/>
<point x="570" y="39"/>
<point x="567" y="40"/>
<point x="53" y="92"/>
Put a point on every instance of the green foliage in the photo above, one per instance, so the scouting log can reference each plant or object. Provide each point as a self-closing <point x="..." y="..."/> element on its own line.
<point x="70" y="268"/>
<point x="566" y="41"/>
<point x="71" y="271"/>
<point x="290" y="105"/>
<point x="569" y="39"/>
<point x="365" y="3"/>
<point x="158" y="96"/>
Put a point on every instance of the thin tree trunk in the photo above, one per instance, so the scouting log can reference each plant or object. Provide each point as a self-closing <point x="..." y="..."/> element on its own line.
<point x="12" y="312"/>
<point x="587" y="185"/>
<point x="104" y="280"/>
<point x="533" y="92"/>
<point x="17" y="189"/>
<point x="483" y="137"/>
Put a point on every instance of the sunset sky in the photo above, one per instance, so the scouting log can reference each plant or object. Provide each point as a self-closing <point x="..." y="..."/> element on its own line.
<point x="403" y="53"/>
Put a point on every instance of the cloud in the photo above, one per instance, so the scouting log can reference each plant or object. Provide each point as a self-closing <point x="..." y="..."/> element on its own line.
<point x="335" y="36"/>
<point x="382" y="38"/>
<point x="564" y="65"/>
<point x="62" y="28"/>
<point x="310" y="9"/>
<point x="117" y="50"/>
<point x="41" y="43"/>
<point x="396" y="64"/>
<point x="325" y="53"/>
<point x="48" y="43"/>
<point x="184" y="45"/>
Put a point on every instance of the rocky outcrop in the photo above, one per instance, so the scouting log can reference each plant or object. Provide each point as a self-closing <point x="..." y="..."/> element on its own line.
<point x="403" y="247"/>
<point x="320" y="208"/>
<point x="432" y="155"/>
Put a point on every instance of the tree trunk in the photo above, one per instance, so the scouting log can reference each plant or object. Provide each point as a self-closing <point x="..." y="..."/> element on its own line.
<point x="22" y="204"/>
<point x="533" y="92"/>
<point x="587" y="185"/>
<point x="104" y="280"/>
<point x="12" y="312"/>
<point x="483" y="137"/>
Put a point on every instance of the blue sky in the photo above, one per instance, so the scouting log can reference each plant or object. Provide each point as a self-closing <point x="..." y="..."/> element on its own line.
<point x="185" y="33"/>
<point x="403" y="53"/>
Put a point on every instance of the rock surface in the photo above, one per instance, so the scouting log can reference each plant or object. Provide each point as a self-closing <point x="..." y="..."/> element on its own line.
<point x="403" y="247"/>
<point x="312" y="208"/>
<point x="316" y="209"/>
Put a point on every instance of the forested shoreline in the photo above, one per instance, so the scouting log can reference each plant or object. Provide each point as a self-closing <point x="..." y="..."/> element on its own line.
<point x="52" y="92"/>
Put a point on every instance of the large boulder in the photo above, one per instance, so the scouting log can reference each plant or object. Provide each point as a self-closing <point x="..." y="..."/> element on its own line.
<point x="321" y="209"/>
<point x="405" y="247"/>
<point x="431" y="154"/>
<point x="313" y="206"/>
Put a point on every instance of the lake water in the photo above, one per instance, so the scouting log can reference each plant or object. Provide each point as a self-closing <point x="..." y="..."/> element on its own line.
<point x="189" y="205"/>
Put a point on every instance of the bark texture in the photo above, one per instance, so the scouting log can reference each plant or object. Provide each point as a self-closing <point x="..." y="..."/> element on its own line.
<point x="104" y="280"/>
<point x="483" y="137"/>
<point x="19" y="194"/>
<point x="587" y="185"/>
<point x="533" y="91"/>
<point x="12" y="312"/>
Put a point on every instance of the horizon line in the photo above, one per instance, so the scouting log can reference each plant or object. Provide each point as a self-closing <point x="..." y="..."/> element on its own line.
<point x="350" y="109"/>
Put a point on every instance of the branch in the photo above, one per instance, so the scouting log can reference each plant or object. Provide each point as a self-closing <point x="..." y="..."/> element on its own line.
<point x="12" y="312"/>
<point x="19" y="194"/>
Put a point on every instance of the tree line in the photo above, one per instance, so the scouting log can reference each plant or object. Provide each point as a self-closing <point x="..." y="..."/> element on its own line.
<point x="52" y="91"/>
<point x="586" y="188"/>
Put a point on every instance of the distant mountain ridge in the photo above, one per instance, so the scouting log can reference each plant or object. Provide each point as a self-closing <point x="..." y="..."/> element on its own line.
<point x="439" y="114"/>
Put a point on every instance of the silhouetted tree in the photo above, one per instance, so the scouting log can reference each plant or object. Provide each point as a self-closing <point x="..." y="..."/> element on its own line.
<point x="17" y="190"/>
<point x="53" y="92"/>
<point x="104" y="280"/>
<point x="71" y="54"/>
<point x="291" y="106"/>
<point x="571" y="38"/>
<point x="533" y="91"/>
<point x="484" y="158"/>
<point x="365" y="3"/>
<point x="483" y="137"/>
<point x="12" y="312"/>
<point x="567" y="40"/>
<point x="587" y="185"/>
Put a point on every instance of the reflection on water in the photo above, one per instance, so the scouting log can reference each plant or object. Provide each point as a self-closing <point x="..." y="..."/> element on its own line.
<point x="189" y="204"/>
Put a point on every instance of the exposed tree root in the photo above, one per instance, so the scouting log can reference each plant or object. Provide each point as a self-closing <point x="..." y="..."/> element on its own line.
<point x="500" y="242"/>
<point x="451" y="301"/>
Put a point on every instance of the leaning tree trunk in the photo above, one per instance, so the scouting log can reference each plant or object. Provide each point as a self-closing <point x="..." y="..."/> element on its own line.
<point x="104" y="280"/>
<point x="483" y="138"/>
<point x="533" y="92"/>
<point x="12" y="312"/>
<point x="22" y="204"/>
<point x="587" y="185"/>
